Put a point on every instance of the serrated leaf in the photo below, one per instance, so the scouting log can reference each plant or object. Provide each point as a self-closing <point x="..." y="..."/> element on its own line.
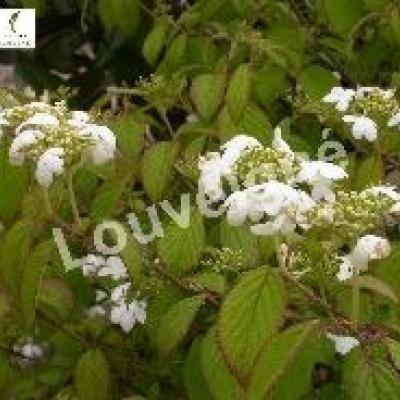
<point x="207" y="93"/>
<point x="55" y="298"/>
<point x="269" y="83"/>
<point x="131" y="254"/>
<point x="239" y="238"/>
<point x="106" y="200"/>
<point x="343" y="15"/>
<point x="14" y="251"/>
<point x="180" y="249"/>
<point x="92" y="376"/>
<point x="14" y="182"/>
<point x="277" y="355"/>
<point x="32" y="275"/>
<point x="368" y="172"/>
<point x="195" y="384"/>
<point x="176" y="322"/>
<point x="370" y="379"/>
<point x="155" y="40"/>
<point x="130" y="136"/>
<point x="121" y="14"/>
<point x="238" y="92"/>
<point x="158" y="169"/>
<point x="258" y="300"/>
<point x="255" y="123"/>
<point x="210" y="281"/>
<point x="317" y="81"/>
<point x="221" y="383"/>
<point x="394" y="351"/>
<point x="375" y="285"/>
<point x="175" y="56"/>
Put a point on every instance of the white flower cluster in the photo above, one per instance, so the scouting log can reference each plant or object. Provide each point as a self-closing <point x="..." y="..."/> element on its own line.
<point x="121" y="310"/>
<point x="364" y="109"/>
<point x="368" y="248"/>
<point x="55" y="138"/>
<point x="29" y="353"/>
<point x="277" y="205"/>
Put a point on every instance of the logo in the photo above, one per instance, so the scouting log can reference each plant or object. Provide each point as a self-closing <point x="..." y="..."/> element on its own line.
<point x="17" y="28"/>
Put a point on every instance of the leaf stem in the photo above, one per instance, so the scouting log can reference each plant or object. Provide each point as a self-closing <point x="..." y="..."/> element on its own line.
<point x="356" y="303"/>
<point x="72" y="198"/>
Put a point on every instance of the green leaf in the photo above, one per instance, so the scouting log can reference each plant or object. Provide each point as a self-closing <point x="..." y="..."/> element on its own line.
<point x="370" y="379"/>
<point x="276" y="357"/>
<point x="14" y="182"/>
<point x="210" y="281"/>
<point x="239" y="238"/>
<point x="174" y="57"/>
<point x="221" y="383"/>
<point x="181" y="248"/>
<point x="317" y="81"/>
<point x="343" y="15"/>
<point x="255" y="123"/>
<point x="130" y="136"/>
<point x="106" y="200"/>
<point x="132" y="256"/>
<point x="375" y="285"/>
<point x="5" y="376"/>
<point x="238" y="92"/>
<point x="32" y="275"/>
<point x="176" y="322"/>
<point x="158" y="169"/>
<point x="207" y="93"/>
<point x="92" y="376"/>
<point x="14" y="251"/>
<point x="394" y="351"/>
<point x="55" y="299"/>
<point x="121" y="14"/>
<point x="269" y="83"/>
<point x="368" y="172"/>
<point x="155" y="40"/>
<point x="257" y="301"/>
<point x="195" y="384"/>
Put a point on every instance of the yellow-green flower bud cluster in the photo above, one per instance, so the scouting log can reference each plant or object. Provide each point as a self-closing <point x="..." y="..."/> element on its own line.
<point x="375" y="105"/>
<point x="225" y="260"/>
<point x="63" y="136"/>
<point x="15" y="116"/>
<point x="258" y="165"/>
<point x="351" y="213"/>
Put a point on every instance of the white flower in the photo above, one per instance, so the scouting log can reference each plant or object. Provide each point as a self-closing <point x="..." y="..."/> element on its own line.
<point x="389" y="191"/>
<point x="343" y="344"/>
<point x="96" y="311"/>
<point x="285" y="205"/>
<point x="40" y="118"/>
<point x="278" y="143"/>
<point x="234" y="149"/>
<point x="120" y="292"/>
<point x="104" y="142"/>
<point x="79" y="119"/>
<point x="368" y="248"/>
<point x="100" y="295"/>
<point x="49" y="164"/>
<point x="3" y="121"/>
<point x="346" y="269"/>
<point x="91" y="264"/>
<point x="394" y="120"/>
<point x="113" y="267"/>
<point x="320" y="175"/>
<point x="127" y="315"/>
<point x="211" y="176"/>
<point x="18" y="146"/>
<point x="363" y="127"/>
<point x="363" y="91"/>
<point x="340" y="97"/>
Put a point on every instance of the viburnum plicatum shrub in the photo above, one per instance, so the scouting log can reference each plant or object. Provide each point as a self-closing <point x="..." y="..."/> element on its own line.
<point x="254" y="178"/>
